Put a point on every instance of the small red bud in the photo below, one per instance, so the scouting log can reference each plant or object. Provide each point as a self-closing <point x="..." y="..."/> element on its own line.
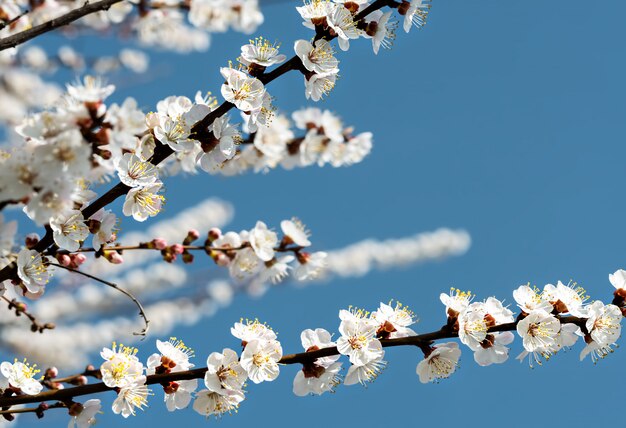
<point x="31" y="240"/>
<point x="187" y="257"/>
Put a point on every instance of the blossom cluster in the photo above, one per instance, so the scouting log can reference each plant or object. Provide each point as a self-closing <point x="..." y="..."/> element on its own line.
<point x="549" y="320"/>
<point x="252" y="256"/>
<point x="326" y="141"/>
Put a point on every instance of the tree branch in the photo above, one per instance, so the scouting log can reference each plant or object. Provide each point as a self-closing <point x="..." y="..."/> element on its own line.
<point x="419" y="340"/>
<point x="24" y="36"/>
<point x="142" y="312"/>
<point x="20" y="308"/>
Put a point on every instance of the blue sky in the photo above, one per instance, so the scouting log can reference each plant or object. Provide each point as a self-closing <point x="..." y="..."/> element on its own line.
<point x="505" y="118"/>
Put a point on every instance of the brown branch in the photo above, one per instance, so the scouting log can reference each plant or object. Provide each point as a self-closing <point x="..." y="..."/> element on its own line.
<point x="279" y="249"/>
<point x="38" y="410"/>
<point x="26" y="35"/>
<point x="142" y="312"/>
<point x="420" y="340"/>
<point x="20" y="309"/>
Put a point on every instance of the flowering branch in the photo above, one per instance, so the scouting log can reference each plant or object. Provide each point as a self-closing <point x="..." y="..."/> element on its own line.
<point x="26" y="35"/>
<point x="421" y="340"/>
<point x="549" y="320"/>
<point x="199" y="131"/>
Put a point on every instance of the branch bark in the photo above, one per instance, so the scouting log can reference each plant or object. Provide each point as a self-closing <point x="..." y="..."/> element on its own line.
<point x="24" y="36"/>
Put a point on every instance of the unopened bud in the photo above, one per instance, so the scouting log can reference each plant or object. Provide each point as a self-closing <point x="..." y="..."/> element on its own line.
<point x="177" y="248"/>
<point x="403" y="8"/>
<point x="31" y="240"/>
<point x="78" y="259"/>
<point x="80" y="380"/>
<point x="114" y="257"/>
<point x="51" y="373"/>
<point x="372" y="28"/>
<point x="168" y="255"/>
<point x="64" y="259"/>
<point x="215" y="233"/>
<point x="187" y="257"/>
<point x="192" y="235"/>
<point x="159" y="243"/>
<point x="222" y="259"/>
<point x="75" y="409"/>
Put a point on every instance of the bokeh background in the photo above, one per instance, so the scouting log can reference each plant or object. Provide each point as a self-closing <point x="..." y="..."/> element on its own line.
<point x="501" y="117"/>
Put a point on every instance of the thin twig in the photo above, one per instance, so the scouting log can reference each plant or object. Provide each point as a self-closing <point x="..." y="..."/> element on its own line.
<point x="39" y="409"/>
<point x="26" y="35"/>
<point x="20" y="308"/>
<point x="142" y="312"/>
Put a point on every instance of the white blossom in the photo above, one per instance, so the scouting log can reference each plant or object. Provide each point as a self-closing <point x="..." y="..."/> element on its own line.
<point x="131" y="396"/>
<point x="134" y="172"/>
<point x="211" y="403"/>
<point x="358" y="341"/>
<point x="32" y="270"/>
<point x="296" y="232"/>
<point x="87" y="416"/>
<point x="263" y="241"/>
<point x="69" y="230"/>
<point x="539" y="331"/>
<point x="262" y="52"/>
<point x="21" y="375"/>
<point x="121" y="367"/>
<point x="143" y="202"/>
<point x="310" y="265"/>
<point x="243" y="91"/>
<point x="440" y="363"/>
<point x="416" y="14"/>
<point x="260" y="360"/>
<point x="224" y="372"/>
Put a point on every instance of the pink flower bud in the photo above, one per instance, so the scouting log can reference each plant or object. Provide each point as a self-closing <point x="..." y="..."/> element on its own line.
<point x="114" y="257"/>
<point x="177" y="248"/>
<point x="81" y="380"/>
<point x="78" y="259"/>
<point x="159" y="243"/>
<point x="52" y="372"/>
<point x="64" y="259"/>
